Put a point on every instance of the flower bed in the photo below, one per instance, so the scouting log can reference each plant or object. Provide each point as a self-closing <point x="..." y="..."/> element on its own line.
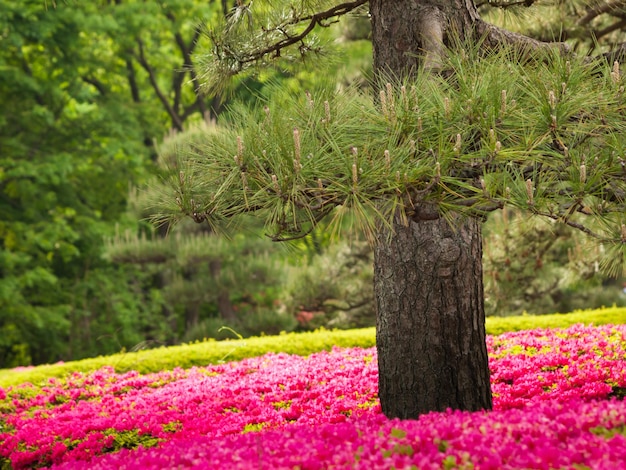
<point x="558" y="401"/>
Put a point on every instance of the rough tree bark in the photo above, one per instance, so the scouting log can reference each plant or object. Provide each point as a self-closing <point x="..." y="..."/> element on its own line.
<point x="430" y="330"/>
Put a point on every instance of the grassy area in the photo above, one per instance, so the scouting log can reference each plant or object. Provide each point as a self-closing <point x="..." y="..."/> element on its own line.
<point x="212" y="352"/>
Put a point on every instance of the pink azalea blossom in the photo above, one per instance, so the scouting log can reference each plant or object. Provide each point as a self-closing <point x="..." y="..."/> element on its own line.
<point x="556" y="403"/>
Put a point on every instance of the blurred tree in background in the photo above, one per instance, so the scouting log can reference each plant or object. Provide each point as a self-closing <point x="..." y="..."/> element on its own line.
<point x="85" y="90"/>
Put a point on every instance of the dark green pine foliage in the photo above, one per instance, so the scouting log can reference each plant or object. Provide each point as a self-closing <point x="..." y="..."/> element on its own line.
<point x="544" y="137"/>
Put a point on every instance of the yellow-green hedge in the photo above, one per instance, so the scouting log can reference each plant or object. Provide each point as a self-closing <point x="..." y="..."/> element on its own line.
<point x="603" y="316"/>
<point x="212" y="352"/>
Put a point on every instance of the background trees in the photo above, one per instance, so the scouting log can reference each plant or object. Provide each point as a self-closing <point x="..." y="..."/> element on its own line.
<point x="88" y="88"/>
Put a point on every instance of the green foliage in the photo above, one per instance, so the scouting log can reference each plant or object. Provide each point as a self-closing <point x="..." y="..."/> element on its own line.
<point x="542" y="137"/>
<point x="84" y="89"/>
<point x="206" y="282"/>
<point x="130" y="439"/>
<point x="499" y="325"/>
<point x="333" y="289"/>
<point x="251" y="322"/>
<point x="541" y="266"/>
<point x="60" y="140"/>
<point x="609" y="433"/>
<point x="213" y="352"/>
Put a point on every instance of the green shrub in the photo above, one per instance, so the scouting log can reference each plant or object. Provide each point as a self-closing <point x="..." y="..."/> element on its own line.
<point x="540" y="266"/>
<point x="213" y="352"/>
<point x="334" y="289"/>
<point x="603" y="316"/>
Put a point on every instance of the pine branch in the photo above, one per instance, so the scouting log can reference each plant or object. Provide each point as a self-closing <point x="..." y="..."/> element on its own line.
<point x="506" y="3"/>
<point x="498" y="37"/>
<point x="97" y="84"/>
<point x="600" y="9"/>
<point x="132" y="81"/>
<point x="576" y="225"/>
<point x="230" y="58"/>
<point x="314" y="20"/>
<point x="542" y="137"/>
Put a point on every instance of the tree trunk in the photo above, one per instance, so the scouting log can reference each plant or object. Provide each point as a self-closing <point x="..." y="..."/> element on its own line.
<point x="430" y="329"/>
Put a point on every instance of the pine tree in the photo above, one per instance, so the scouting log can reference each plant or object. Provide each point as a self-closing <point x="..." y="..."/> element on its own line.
<point x="468" y="118"/>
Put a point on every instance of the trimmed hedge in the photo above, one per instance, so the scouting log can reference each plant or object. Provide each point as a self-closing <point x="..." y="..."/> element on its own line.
<point x="212" y="352"/>
<point x="604" y="316"/>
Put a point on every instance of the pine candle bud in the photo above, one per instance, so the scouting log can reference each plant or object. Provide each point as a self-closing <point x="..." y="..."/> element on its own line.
<point x="502" y="102"/>
<point x="390" y="100"/>
<point x="387" y="159"/>
<point x="623" y="233"/>
<point x="615" y="74"/>
<point x="583" y="173"/>
<point x="240" y="147"/>
<point x="181" y="178"/>
<point x="552" y="100"/>
<point x="405" y="99"/>
<point x="309" y="98"/>
<point x="498" y="146"/>
<point x="383" y="103"/>
<point x="275" y="183"/>
<point x="355" y="170"/>
<point x="529" y="192"/>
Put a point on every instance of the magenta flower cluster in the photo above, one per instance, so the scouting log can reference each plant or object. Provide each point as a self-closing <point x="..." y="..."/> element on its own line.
<point x="558" y="402"/>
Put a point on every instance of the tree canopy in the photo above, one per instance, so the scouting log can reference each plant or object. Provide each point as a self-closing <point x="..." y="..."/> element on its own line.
<point x="85" y="89"/>
<point x="466" y="119"/>
<point x="544" y="137"/>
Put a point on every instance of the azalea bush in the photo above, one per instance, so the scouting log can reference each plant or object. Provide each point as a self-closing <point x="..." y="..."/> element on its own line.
<point x="558" y="401"/>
